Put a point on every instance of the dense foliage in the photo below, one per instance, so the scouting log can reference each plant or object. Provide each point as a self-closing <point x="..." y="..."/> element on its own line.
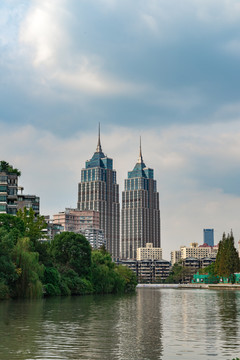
<point x="227" y="261"/>
<point x="65" y="266"/>
<point x="6" y="167"/>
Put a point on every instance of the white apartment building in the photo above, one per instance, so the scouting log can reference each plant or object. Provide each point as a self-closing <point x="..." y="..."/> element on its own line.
<point x="149" y="252"/>
<point x="194" y="251"/>
<point x="175" y="256"/>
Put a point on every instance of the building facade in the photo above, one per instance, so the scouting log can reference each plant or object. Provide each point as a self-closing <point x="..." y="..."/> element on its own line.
<point x="140" y="211"/>
<point x="99" y="191"/>
<point x="76" y="220"/>
<point x="28" y="202"/>
<point x="198" y="252"/>
<point x="175" y="256"/>
<point x="149" y="252"/>
<point x="8" y="191"/>
<point x="148" y="271"/>
<point x="208" y="237"/>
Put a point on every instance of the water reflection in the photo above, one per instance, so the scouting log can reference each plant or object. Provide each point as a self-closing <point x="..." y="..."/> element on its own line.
<point x="151" y="325"/>
<point x="228" y="312"/>
<point x="140" y="324"/>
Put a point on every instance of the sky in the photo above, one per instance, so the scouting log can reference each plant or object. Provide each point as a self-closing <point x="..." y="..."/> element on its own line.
<point x="168" y="71"/>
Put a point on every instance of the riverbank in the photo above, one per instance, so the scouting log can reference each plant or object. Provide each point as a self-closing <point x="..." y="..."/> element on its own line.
<point x="192" y="286"/>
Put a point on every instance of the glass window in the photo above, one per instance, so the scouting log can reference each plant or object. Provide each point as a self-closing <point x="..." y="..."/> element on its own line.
<point x="3" y="188"/>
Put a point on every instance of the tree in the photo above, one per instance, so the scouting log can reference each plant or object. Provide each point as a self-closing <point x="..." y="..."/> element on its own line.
<point x="12" y="224"/>
<point x="227" y="260"/>
<point x="33" y="224"/>
<point x="72" y="251"/>
<point x="6" y="167"/>
<point x="176" y="274"/>
<point x="30" y="271"/>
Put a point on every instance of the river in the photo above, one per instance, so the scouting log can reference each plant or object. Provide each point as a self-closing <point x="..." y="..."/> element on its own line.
<point x="165" y="324"/>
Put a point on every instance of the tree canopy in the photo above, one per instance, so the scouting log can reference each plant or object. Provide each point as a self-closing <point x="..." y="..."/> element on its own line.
<point x="227" y="260"/>
<point x="66" y="265"/>
<point x="6" y="167"/>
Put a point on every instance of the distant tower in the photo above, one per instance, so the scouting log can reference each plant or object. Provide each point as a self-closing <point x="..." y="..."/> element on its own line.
<point x="99" y="191"/>
<point x="208" y="236"/>
<point x="239" y="248"/>
<point x="140" y="210"/>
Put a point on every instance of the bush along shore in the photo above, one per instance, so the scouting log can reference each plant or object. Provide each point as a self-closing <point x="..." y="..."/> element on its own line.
<point x="67" y="265"/>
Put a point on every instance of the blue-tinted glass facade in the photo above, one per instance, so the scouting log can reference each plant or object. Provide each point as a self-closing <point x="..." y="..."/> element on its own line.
<point x="208" y="236"/>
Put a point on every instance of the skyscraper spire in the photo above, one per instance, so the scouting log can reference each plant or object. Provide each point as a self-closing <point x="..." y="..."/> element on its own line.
<point x="99" y="148"/>
<point x="140" y="159"/>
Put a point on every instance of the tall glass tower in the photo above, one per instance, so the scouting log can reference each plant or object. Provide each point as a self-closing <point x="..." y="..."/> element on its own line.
<point x="140" y="210"/>
<point x="99" y="191"/>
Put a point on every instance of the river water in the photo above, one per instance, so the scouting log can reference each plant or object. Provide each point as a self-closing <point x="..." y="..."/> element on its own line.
<point x="165" y="324"/>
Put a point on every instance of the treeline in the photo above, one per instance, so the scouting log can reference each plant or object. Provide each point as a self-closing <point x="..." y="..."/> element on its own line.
<point x="227" y="263"/>
<point x="65" y="266"/>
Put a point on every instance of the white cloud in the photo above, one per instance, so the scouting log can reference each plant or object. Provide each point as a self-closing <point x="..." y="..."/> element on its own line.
<point x="48" y="42"/>
<point x="51" y="168"/>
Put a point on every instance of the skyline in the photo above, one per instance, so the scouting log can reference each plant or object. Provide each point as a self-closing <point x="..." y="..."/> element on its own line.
<point x="67" y="65"/>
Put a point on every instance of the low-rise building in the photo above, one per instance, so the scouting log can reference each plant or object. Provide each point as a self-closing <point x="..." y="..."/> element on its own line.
<point x="147" y="270"/>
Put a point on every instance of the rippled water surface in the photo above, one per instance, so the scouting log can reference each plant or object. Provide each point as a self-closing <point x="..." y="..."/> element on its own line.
<point x="154" y="324"/>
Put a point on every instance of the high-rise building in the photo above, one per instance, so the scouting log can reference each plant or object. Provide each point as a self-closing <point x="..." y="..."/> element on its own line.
<point x="140" y="210"/>
<point x="8" y="188"/>
<point x="98" y="191"/>
<point x="28" y="202"/>
<point x="208" y="236"/>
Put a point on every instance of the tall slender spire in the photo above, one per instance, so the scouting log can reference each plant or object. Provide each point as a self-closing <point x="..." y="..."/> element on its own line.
<point x="140" y="159"/>
<point x="99" y="148"/>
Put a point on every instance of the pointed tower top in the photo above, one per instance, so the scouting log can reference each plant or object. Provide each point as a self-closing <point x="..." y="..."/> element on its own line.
<point x="99" y="148"/>
<point x="140" y="159"/>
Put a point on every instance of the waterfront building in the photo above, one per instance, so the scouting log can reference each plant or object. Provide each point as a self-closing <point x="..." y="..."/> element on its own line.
<point x="8" y="190"/>
<point x="208" y="237"/>
<point x="147" y="270"/>
<point x="98" y="191"/>
<point x="140" y="210"/>
<point x="149" y="252"/>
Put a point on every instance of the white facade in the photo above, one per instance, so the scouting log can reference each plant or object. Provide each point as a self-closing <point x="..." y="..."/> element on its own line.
<point x="149" y="252"/>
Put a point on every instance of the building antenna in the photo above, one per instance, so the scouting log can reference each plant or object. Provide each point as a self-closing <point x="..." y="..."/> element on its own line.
<point x="140" y="159"/>
<point x="99" y="148"/>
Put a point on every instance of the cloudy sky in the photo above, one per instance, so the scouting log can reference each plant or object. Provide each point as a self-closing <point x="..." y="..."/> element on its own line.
<point x="166" y="70"/>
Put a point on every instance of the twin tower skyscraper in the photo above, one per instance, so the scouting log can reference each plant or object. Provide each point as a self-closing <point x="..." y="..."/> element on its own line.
<point x="140" y="214"/>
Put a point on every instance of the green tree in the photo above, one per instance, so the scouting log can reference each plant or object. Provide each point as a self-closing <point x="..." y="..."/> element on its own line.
<point x="13" y="225"/>
<point x="176" y="274"/>
<point x="72" y="251"/>
<point x="33" y="225"/>
<point x="128" y="279"/>
<point x="227" y="260"/>
<point x="6" y="167"/>
<point x="30" y="271"/>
